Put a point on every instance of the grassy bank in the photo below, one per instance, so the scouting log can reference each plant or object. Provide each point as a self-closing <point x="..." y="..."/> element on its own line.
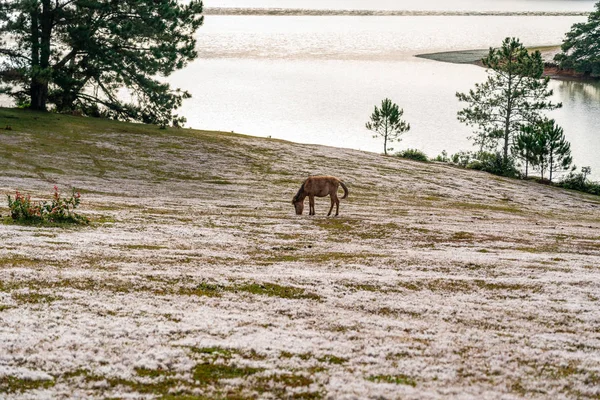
<point x="196" y="280"/>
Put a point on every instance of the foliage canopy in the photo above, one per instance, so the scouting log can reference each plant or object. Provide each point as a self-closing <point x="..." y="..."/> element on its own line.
<point x="387" y="122"/>
<point x="514" y="94"/>
<point x="580" y="48"/>
<point x="543" y="145"/>
<point x="78" y="55"/>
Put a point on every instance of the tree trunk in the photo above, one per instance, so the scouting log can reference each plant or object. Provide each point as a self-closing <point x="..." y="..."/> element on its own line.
<point x="41" y="32"/>
<point x="34" y="88"/>
<point x="507" y="121"/>
<point x="385" y="144"/>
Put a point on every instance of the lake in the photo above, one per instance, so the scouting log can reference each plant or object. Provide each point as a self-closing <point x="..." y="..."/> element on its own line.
<point x="316" y="79"/>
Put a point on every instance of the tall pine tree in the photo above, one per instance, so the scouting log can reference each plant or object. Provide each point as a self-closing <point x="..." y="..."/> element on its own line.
<point x="79" y="54"/>
<point x="525" y="147"/>
<point x="514" y="94"/>
<point x="558" y="150"/>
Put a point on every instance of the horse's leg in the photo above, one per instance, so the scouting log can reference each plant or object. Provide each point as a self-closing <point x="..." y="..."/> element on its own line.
<point x="332" y="203"/>
<point x="336" y="200"/>
<point x="311" y="202"/>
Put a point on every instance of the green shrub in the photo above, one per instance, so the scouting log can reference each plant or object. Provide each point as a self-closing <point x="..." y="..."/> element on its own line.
<point x="494" y="163"/>
<point x="442" y="157"/>
<point x="462" y="158"/>
<point x="413" y="154"/>
<point x="58" y="210"/>
<point x="579" y="182"/>
<point x="485" y="161"/>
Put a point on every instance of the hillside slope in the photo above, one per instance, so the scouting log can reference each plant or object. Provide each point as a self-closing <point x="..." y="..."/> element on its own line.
<point x="196" y="279"/>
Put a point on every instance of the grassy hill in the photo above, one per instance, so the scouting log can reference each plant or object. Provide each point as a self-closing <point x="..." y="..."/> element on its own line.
<point x="196" y="280"/>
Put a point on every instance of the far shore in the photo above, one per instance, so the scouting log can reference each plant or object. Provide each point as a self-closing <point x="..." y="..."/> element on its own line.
<point x="474" y="56"/>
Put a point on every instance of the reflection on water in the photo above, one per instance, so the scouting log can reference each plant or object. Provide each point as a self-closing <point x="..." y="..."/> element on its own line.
<point x="368" y="38"/>
<point x="585" y="93"/>
<point x="580" y="118"/>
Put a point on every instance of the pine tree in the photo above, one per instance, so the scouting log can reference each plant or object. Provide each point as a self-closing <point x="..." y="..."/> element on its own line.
<point x="525" y="146"/>
<point x="580" y="49"/>
<point x="78" y="54"/>
<point x="387" y="122"/>
<point x="514" y="94"/>
<point x="558" y="150"/>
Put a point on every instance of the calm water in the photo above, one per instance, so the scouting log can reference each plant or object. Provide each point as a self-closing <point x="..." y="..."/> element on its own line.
<point x="316" y="79"/>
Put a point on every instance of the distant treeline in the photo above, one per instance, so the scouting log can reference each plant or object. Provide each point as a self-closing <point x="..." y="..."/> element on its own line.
<point x="367" y="13"/>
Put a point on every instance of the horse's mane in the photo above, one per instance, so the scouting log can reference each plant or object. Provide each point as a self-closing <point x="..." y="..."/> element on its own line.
<point x="300" y="191"/>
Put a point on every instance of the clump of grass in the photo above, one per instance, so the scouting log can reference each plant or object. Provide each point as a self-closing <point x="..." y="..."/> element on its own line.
<point x="275" y="290"/>
<point x="331" y="359"/>
<point x="279" y="386"/>
<point x="462" y="235"/>
<point x="34" y="298"/>
<point x="213" y="352"/>
<point x="396" y="379"/>
<point x="209" y="373"/>
<point x="143" y="247"/>
<point x="363" y="287"/>
<point x="203" y="289"/>
<point x="11" y="384"/>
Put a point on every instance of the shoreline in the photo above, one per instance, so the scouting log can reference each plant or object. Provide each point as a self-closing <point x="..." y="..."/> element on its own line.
<point x="278" y="11"/>
<point x="474" y="56"/>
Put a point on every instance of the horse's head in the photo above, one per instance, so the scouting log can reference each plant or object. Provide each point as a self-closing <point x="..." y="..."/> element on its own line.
<point x="298" y="205"/>
<point x="298" y="200"/>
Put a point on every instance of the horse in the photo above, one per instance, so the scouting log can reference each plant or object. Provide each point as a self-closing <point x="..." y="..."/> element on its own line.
<point x="319" y="186"/>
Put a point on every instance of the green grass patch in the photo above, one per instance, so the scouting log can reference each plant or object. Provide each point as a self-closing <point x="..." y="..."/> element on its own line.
<point x="462" y="236"/>
<point x="34" y="298"/>
<point x="338" y="225"/>
<point x="21" y="261"/>
<point x="278" y="386"/>
<point x="310" y="256"/>
<point x="213" y="352"/>
<point x="395" y="379"/>
<point x="143" y="247"/>
<point x="156" y="286"/>
<point x="208" y="373"/>
<point x="275" y="290"/>
<point x="219" y="181"/>
<point x="331" y="359"/>
<point x="467" y="285"/>
<point x="203" y="289"/>
<point x="363" y="287"/>
<point x="42" y="223"/>
<point x="11" y="384"/>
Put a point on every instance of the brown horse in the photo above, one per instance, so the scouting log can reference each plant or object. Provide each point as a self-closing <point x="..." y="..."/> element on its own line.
<point x="319" y="186"/>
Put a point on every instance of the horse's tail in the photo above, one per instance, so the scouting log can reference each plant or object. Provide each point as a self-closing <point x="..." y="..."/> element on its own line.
<point x="345" y="190"/>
